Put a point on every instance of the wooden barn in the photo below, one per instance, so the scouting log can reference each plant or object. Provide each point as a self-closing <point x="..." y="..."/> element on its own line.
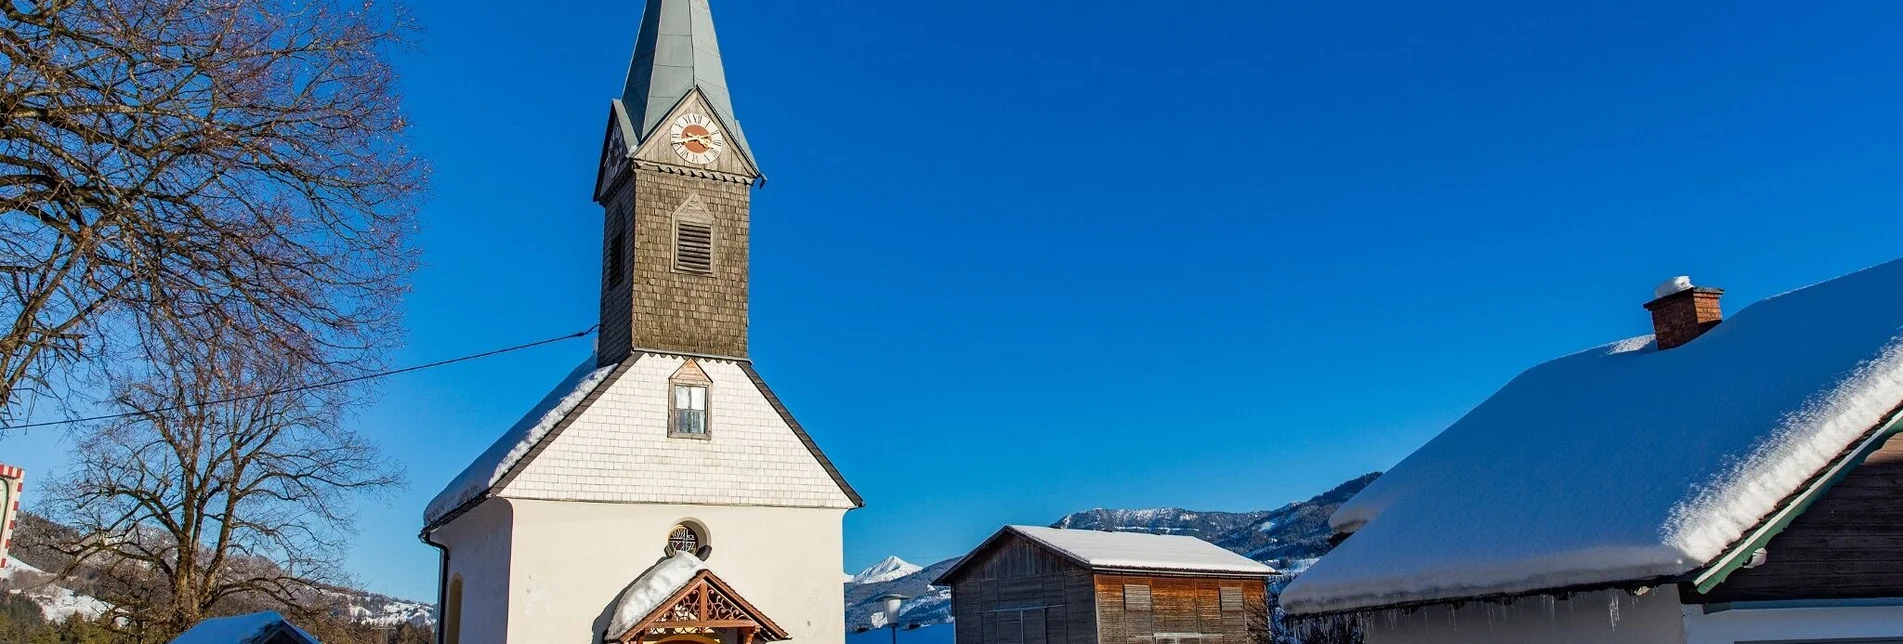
<point x="1031" y="585"/>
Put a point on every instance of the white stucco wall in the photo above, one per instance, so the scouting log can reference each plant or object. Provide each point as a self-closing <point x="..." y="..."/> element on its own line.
<point x="1585" y="618"/>
<point x="618" y="449"/>
<point x="1793" y="624"/>
<point x="479" y="551"/>
<point x="571" y="560"/>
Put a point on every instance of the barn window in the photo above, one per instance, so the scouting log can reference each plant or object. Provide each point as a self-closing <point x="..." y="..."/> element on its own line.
<point x="694" y="248"/>
<point x="690" y="410"/>
<point x="1136" y="597"/>
<point x="1232" y="599"/>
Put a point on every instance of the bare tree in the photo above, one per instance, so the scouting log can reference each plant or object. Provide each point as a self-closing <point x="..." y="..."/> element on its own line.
<point x="176" y="165"/>
<point x="190" y="507"/>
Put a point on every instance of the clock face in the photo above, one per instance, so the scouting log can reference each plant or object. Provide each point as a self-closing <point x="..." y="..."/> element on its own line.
<point x="698" y="139"/>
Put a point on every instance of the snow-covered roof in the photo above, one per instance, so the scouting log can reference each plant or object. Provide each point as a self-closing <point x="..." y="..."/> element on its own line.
<point x="1624" y="463"/>
<point x="651" y="588"/>
<point x="492" y="465"/>
<point x="243" y="629"/>
<point x="1137" y="551"/>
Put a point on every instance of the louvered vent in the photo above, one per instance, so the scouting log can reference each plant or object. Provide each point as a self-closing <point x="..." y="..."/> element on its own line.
<point x="694" y="248"/>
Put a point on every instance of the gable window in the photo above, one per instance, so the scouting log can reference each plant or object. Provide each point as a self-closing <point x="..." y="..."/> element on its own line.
<point x="690" y="410"/>
<point x="687" y="402"/>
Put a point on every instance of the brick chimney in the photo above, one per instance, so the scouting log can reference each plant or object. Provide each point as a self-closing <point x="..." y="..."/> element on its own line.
<point x="1682" y="312"/>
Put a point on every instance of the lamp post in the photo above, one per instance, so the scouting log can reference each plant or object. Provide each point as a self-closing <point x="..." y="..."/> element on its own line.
<point x="890" y="617"/>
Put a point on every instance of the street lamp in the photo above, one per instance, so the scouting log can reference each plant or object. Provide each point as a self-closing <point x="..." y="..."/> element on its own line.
<point x="889" y="618"/>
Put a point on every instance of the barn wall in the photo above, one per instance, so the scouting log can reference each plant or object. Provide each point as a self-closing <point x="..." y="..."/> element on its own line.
<point x="1849" y="544"/>
<point x="1017" y="593"/>
<point x="1181" y="611"/>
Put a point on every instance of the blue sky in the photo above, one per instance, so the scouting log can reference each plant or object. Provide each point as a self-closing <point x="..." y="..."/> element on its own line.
<point x="1019" y="259"/>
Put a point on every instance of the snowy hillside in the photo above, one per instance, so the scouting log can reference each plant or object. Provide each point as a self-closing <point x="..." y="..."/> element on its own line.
<point x="56" y="602"/>
<point x="889" y="569"/>
<point x="31" y="556"/>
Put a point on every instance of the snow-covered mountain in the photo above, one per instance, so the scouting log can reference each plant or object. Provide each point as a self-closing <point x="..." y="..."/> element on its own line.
<point x="889" y="569"/>
<point x="1289" y="538"/>
<point x="1202" y="525"/>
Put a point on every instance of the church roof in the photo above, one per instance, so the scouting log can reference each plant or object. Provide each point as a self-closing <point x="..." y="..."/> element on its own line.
<point x="1626" y="464"/>
<point x="489" y="469"/>
<point x="675" y="54"/>
<point x="572" y="396"/>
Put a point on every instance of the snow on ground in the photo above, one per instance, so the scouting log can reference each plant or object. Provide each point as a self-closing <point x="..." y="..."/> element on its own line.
<point x="56" y="602"/>
<point x="1624" y="463"/>
<point x="889" y="569"/>
<point x="516" y="443"/>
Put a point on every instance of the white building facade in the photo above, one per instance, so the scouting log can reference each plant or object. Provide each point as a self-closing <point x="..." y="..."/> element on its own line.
<point x="661" y="493"/>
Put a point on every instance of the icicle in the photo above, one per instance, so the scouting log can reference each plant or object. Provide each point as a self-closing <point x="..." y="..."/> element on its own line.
<point x="1613" y="610"/>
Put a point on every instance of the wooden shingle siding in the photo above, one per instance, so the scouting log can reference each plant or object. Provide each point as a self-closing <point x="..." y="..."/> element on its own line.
<point x="1847" y="545"/>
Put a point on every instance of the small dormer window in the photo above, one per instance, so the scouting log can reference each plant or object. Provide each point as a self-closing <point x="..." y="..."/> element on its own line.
<point x="688" y="401"/>
<point x="690" y="410"/>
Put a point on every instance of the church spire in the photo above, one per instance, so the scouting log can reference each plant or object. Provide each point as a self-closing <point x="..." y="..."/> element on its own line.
<point x="676" y="53"/>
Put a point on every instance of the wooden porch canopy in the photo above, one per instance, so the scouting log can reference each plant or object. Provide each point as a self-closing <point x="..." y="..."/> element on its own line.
<point x="703" y="606"/>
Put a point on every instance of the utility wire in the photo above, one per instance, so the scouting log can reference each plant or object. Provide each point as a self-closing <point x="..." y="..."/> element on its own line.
<point x="322" y="385"/>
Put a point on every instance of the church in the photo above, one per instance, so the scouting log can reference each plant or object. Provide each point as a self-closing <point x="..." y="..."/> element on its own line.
<point x="661" y="493"/>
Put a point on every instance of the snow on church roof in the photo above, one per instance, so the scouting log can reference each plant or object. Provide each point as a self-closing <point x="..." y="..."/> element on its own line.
<point x="651" y="588"/>
<point x="1625" y="463"/>
<point x="493" y="464"/>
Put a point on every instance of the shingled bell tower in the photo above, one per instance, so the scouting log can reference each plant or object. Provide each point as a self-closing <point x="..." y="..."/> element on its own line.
<point x="674" y="187"/>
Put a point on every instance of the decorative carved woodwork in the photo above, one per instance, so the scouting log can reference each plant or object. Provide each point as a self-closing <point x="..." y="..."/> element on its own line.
<point x="704" y="606"/>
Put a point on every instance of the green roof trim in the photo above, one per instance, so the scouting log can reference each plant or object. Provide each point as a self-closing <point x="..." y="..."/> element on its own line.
<point x="675" y="54"/>
<point x="1735" y="559"/>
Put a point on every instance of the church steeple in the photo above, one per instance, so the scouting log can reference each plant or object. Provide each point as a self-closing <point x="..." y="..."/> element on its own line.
<point x="676" y="53"/>
<point x="675" y="189"/>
